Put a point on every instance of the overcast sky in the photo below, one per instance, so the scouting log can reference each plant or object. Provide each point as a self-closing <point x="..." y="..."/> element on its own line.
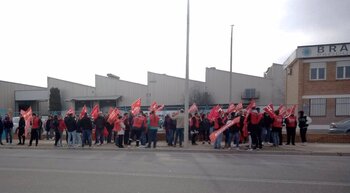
<point x="76" y="39"/>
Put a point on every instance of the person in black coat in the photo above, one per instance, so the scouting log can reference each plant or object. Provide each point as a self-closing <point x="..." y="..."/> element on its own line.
<point x="8" y="125"/>
<point x="100" y="123"/>
<point x="86" y="126"/>
<point x="21" y="134"/>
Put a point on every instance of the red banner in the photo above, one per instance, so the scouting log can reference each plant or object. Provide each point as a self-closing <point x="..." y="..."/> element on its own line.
<point x="216" y="133"/>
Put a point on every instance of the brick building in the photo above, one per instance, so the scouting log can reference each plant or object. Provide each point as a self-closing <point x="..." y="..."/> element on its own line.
<point x="318" y="81"/>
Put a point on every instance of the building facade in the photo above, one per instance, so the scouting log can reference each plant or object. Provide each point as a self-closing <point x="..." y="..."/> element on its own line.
<point x="318" y="81"/>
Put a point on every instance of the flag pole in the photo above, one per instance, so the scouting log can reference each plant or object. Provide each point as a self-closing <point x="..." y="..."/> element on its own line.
<point x="187" y="78"/>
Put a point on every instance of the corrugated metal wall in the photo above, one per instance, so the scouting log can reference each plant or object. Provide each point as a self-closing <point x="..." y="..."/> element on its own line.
<point x="169" y="90"/>
<point x="69" y="90"/>
<point x="129" y="91"/>
<point x="7" y="93"/>
<point x="217" y="85"/>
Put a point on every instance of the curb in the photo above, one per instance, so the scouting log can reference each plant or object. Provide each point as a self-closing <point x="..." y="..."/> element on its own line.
<point x="184" y="150"/>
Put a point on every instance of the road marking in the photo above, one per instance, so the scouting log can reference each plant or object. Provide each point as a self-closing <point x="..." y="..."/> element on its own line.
<point x="193" y="177"/>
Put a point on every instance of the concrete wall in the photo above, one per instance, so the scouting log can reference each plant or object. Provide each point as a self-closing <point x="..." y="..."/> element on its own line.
<point x="106" y="86"/>
<point x="169" y="90"/>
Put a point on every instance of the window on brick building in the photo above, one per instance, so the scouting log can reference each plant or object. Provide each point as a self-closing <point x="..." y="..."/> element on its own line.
<point x="343" y="70"/>
<point x="318" y="107"/>
<point x="318" y="71"/>
<point x="342" y="107"/>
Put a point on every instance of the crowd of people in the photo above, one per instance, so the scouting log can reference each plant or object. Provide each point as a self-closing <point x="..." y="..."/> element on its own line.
<point x="141" y="128"/>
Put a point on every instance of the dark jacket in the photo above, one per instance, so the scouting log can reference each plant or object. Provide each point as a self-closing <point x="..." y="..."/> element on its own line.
<point x="55" y="124"/>
<point x="48" y="125"/>
<point x="85" y="123"/>
<point x="1" y="124"/>
<point x="71" y="124"/>
<point x="21" y="124"/>
<point x="100" y="123"/>
<point x="302" y="122"/>
<point x="8" y="124"/>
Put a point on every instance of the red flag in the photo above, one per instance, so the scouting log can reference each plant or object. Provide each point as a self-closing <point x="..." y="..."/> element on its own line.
<point x="193" y="108"/>
<point x="27" y="115"/>
<point x="282" y="110"/>
<point x="136" y="106"/>
<point x="290" y="111"/>
<point x="271" y="107"/>
<point x="214" y="113"/>
<point x="231" y="108"/>
<point x="113" y="116"/>
<point x="216" y="133"/>
<point x="70" y="111"/>
<point x="269" y="111"/>
<point x="161" y="107"/>
<point x="83" y="111"/>
<point x="95" y="111"/>
<point x="239" y="107"/>
<point x="251" y="105"/>
<point x="153" y="106"/>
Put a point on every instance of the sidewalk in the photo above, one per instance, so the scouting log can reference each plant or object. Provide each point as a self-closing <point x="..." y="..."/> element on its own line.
<point x="298" y="149"/>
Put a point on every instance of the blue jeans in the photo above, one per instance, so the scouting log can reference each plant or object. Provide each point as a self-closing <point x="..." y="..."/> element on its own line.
<point x="236" y="139"/>
<point x="170" y="136"/>
<point x="275" y="138"/>
<point x="87" y="137"/>
<point x="152" y="137"/>
<point x="8" y="134"/>
<point x="71" y="137"/>
<point x="179" y="134"/>
<point x="266" y="134"/>
<point x="217" y="144"/>
<point x="143" y="138"/>
<point x="99" y="136"/>
<point x="228" y="138"/>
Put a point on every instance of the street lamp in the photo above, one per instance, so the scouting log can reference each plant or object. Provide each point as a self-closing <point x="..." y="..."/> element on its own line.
<point x="187" y="77"/>
<point x="230" y="98"/>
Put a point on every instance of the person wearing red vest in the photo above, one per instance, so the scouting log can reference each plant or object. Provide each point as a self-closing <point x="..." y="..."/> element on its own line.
<point x="139" y="123"/>
<point x="218" y="123"/>
<point x="254" y="127"/>
<point x="153" y="128"/>
<point x="291" y="123"/>
<point x="277" y="125"/>
<point x="34" y="134"/>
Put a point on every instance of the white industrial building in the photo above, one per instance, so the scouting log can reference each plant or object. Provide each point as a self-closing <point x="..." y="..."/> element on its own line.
<point x="111" y="91"/>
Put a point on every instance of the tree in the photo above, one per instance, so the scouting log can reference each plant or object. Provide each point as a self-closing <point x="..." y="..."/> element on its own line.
<point x="55" y="100"/>
<point x="199" y="97"/>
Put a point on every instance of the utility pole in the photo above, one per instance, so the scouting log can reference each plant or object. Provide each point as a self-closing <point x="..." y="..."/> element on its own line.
<point x="187" y="77"/>
<point x="230" y="98"/>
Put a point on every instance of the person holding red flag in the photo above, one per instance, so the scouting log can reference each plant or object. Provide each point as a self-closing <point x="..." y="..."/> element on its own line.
<point x="277" y="125"/>
<point x="154" y="123"/>
<point x="139" y="122"/>
<point x="34" y="132"/>
<point x="291" y="124"/>
<point x="218" y="123"/>
<point x="100" y="124"/>
<point x="254" y="128"/>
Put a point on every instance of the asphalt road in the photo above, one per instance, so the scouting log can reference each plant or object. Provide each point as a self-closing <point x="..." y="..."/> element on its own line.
<point x="89" y="171"/>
